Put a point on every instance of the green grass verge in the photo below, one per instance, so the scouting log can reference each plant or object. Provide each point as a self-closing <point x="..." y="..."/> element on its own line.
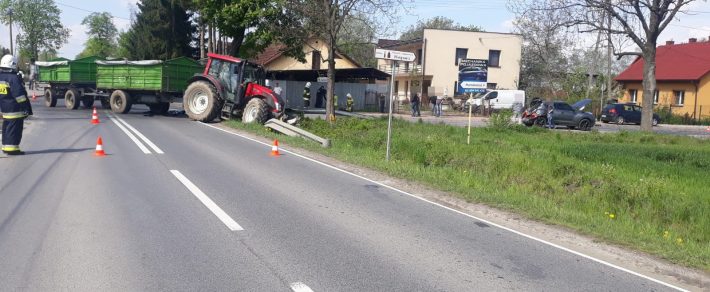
<point x="646" y="191"/>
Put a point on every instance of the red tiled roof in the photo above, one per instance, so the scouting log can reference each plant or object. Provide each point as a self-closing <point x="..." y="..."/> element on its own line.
<point x="269" y="54"/>
<point x="689" y="61"/>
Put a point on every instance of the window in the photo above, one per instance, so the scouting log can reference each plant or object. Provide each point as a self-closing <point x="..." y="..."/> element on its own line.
<point x="456" y="87"/>
<point x="628" y="108"/>
<point x="655" y="97"/>
<point x="406" y="67"/>
<point x="396" y="87"/>
<point x="419" y="56"/>
<point x="563" y="106"/>
<point x="633" y="94"/>
<point x="315" y="60"/>
<point x="460" y="54"/>
<point x="406" y="86"/>
<point x="493" y="58"/>
<point x="679" y="97"/>
<point x="492" y="85"/>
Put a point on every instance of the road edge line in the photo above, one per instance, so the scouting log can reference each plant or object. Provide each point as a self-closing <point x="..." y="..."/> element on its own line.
<point x="460" y="212"/>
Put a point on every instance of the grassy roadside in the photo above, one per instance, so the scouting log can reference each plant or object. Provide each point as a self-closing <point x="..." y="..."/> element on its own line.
<point x="646" y="191"/>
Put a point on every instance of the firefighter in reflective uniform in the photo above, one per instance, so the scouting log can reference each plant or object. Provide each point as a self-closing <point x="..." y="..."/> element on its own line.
<point x="349" y="102"/>
<point x="307" y="95"/>
<point x="14" y="105"/>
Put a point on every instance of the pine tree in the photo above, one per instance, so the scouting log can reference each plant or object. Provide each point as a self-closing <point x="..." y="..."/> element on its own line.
<point x="162" y="30"/>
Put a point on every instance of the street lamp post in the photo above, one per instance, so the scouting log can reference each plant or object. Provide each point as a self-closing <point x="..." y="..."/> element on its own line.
<point x="9" y="13"/>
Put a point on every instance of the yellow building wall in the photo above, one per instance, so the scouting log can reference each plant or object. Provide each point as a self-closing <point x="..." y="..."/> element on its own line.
<point x="666" y="97"/>
<point x="288" y="63"/>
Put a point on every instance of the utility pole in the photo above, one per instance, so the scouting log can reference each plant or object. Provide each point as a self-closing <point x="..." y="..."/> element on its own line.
<point x="12" y="49"/>
<point x="608" y="58"/>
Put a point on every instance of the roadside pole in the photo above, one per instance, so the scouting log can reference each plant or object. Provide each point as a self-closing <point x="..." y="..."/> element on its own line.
<point x="389" y="123"/>
<point x="470" y="110"/>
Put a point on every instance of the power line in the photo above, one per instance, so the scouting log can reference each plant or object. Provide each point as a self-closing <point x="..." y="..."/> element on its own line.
<point x="90" y="11"/>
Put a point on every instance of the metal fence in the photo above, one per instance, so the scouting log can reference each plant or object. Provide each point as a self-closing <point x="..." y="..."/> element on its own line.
<point x="364" y="95"/>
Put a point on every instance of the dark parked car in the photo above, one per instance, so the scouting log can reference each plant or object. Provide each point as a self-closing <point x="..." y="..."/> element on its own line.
<point x="622" y="113"/>
<point x="563" y="114"/>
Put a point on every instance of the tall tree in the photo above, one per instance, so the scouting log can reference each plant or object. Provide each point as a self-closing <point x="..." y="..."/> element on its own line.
<point x="439" y="22"/>
<point x="247" y="23"/>
<point x="102" y="35"/>
<point x="358" y="41"/>
<point x="41" y="28"/>
<point x="162" y="30"/>
<point x="325" y="19"/>
<point x="642" y="21"/>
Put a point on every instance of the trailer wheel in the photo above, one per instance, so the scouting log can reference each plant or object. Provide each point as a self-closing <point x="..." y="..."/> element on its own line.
<point x="256" y="111"/>
<point x="88" y="101"/>
<point x="105" y="104"/>
<point x="71" y="99"/>
<point x="201" y="102"/>
<point x="121" y="102"/>
<point x="50" y="98"/>
<point x="159" y="108"/>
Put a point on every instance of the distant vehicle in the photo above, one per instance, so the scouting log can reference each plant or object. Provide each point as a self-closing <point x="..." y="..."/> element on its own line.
<point x="563" y="114"/>
<point x="473" y="73"/>
<point x="499" y="99"/>
<point x="622" y="113"/>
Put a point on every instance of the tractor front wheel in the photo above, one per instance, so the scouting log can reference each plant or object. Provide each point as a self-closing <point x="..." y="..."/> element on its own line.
<point x="201" y="102"/>
<point x="256" y="111"/>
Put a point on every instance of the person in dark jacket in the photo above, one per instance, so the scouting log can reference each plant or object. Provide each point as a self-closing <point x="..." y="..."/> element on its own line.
<point x="414" y="101"/>
<point x="320" y="97"/>
<point x="14" y="105"/>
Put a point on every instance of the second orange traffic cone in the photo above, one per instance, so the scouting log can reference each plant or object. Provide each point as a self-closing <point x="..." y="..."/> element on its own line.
<point x="275" y="149"/>
<point x="100" y="147"/>
<point x="95" y="118"/>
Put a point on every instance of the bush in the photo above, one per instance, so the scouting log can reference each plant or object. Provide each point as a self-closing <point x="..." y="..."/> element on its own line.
<point x="501" y="120"/>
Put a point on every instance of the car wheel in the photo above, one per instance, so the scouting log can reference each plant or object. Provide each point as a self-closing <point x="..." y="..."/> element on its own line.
<point x="620" y="120"/>
<point x="654" y="122"/>
<point x="585" y="125"/>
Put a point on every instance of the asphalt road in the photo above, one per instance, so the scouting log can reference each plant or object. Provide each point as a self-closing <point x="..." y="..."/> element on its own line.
<point x="215" y="212"/>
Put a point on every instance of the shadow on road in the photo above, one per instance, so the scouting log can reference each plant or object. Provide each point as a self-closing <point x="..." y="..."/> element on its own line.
<point x="48" y="151"/>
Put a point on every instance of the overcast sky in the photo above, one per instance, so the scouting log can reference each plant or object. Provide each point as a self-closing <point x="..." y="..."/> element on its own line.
<point x="491" y="15"/>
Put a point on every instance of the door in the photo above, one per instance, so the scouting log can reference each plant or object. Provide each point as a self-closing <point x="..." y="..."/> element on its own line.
<point x="635" y="115"/>
<point x="563" y="114"/>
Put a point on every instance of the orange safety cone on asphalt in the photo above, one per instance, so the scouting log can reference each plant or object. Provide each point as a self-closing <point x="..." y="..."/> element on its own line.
<point x="275" y="148"/>
<point x="100" y="147"/>
<point x="95" y="118"/>
<point x="34" y="96"/>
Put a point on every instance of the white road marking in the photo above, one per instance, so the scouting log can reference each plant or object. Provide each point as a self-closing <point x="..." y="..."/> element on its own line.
<point x="140" y="135"/>
<point x="300" y="287"/>
<point x="130" y="135"/>
<point x="460" y="212"/>
<point x="216" y="210"/>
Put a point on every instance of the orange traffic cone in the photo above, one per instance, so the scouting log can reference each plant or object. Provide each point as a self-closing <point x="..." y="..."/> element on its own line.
<point x="275" y="148"/>
<point x="95" y="118"/>
<point x="100" y="148"/>
<point x="34" y="96"/>
<point x="708" y="129"/>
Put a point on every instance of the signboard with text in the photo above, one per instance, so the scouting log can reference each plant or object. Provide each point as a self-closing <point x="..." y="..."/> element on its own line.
<point x="394" y="55"/>
<point x="473" y="76"/>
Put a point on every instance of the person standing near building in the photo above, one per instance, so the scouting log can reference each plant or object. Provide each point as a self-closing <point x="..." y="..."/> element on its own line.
<point x="307" y="95"/>
<point x="349" y="103"/>
<point x="439" y="103"/>
<point x="320" y="97"/>
<point x="335" y="102"/>
<point x="414" y="101"/>
<point x="14" y="105"/>
<point x="381" y="98"/>
<point x="277" y="89"/>
<point x="550" y="110"/>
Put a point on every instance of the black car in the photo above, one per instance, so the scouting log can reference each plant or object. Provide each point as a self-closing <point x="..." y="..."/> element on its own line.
<point x="622" y="113"/>
<point x="563" y="114"/>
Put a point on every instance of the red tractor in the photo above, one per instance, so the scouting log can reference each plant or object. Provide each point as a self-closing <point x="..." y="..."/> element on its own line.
<point x="231" y="87"/>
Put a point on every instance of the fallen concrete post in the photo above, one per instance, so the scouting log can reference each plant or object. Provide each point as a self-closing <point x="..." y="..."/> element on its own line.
<point x="294" y="131"/>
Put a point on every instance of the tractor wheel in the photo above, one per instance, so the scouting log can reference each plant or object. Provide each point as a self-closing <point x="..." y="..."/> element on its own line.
<point x="88" y="101"/>
<point x="256" y="111"/>
<point x="159" y="108"/>
<point x="105" y="104"/>
<point x="201" y="102"/>
<point x="50" y="98"/>
<point x="72" y="99"/>
<point x="121" y="102"/>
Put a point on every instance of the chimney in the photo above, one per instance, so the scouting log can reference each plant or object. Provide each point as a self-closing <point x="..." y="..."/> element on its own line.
<point x="670" y="43"/>
<point x="692" y="40"/>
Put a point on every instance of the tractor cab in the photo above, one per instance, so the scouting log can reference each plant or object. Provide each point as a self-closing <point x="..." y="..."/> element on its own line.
<point x="230" y="87"/>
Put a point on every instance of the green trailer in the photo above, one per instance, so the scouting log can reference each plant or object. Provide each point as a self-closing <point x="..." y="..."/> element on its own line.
<point x="73" y="81"/>
<point x="151" y="82"/>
